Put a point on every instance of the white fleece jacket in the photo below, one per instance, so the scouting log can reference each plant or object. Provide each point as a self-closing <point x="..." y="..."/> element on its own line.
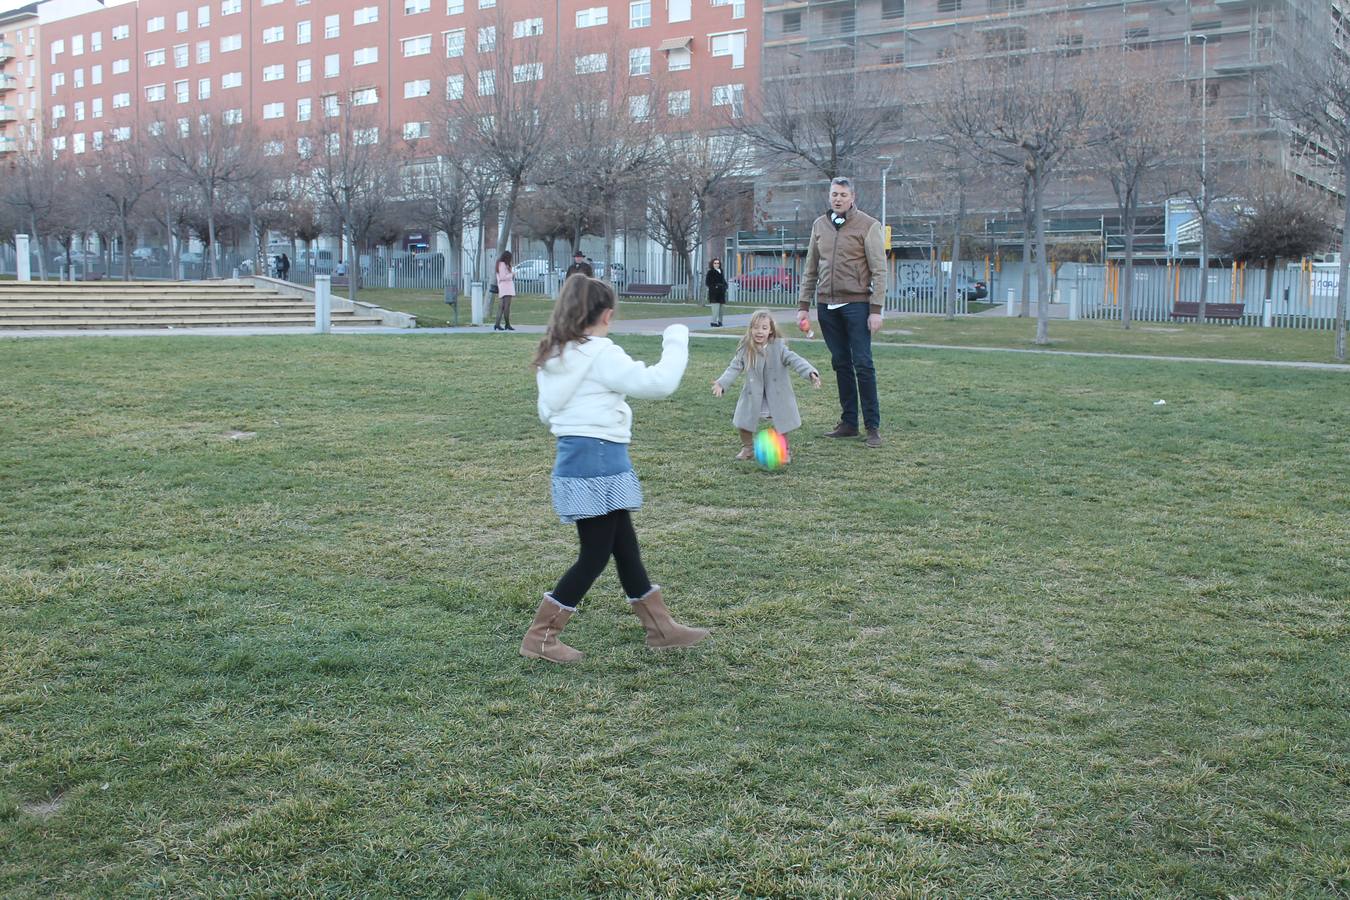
<point x="582" y="390"/>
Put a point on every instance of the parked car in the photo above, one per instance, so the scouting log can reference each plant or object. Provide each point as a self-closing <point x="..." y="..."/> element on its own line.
<point x="149" y="255"/>
<point x="767" y="278"/>
<point x="532" y="268"/>
<point x="927" y="287"/>
<point x="602" y="271"/>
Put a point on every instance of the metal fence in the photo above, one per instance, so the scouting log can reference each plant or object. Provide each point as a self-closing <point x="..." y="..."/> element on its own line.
<point x="1300" y="296"/>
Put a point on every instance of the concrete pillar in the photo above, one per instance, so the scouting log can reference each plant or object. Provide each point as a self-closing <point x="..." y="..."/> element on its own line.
<point x="1266" y="318"/>
<point x="476" y="303"/>
<point x="323" y="304"/>
<point x="22" y="262"/>
<point x="1012" y="302"/>
<point x="1073" y="304"/>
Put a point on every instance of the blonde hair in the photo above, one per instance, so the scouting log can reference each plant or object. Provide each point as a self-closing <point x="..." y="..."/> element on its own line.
<point x="748" y="342"/>
<point x="579" y="306"/>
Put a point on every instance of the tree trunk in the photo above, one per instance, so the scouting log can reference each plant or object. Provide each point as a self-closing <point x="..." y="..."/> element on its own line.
<point x="353" y="267"/>
<point x="1341" y="286"/>
<point x="1027" y="226"/>
<point x="1204" y="265"/>
<point x="954" y="275"/>
<point x="1127" y="271"/>
<point x="1042" y="264"/>
<point x="211" y="237"/>
<point x="126" y="252"/>
<point x="39" y="242"/>
<point x="508" y="219"/>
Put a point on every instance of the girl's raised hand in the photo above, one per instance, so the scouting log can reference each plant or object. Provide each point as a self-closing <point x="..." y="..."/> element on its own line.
<point x="717" y="389"/>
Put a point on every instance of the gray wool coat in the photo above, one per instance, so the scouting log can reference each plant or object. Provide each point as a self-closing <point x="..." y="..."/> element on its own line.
<point x="767" y="377"/>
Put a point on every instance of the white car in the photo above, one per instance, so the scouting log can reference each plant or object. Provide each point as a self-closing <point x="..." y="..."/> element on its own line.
<point x="531" y="268"/>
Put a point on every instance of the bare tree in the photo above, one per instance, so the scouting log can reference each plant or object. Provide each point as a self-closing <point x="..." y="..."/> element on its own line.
<point x="125" y="181"/>
<point x="213" y="155"/>
<point x="1312" y="88"/>
<point x="1278" y="219"/>
<point x="1028" y="110"/>
<point x="1137" y="135"/>
<point x="506" y="115"/>
<point x="354" y="176"/>
<point x="820" y="118"/>
<point x="33" y="191"/>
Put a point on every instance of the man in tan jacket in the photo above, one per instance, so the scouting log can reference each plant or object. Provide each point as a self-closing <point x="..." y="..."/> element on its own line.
<point x="846" y="275"/>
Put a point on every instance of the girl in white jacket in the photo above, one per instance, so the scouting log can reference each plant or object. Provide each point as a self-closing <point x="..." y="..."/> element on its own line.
<point x="583" y="378"/>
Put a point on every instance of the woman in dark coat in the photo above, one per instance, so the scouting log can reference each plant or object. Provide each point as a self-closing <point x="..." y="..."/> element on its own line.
<point x="716" y="283"/>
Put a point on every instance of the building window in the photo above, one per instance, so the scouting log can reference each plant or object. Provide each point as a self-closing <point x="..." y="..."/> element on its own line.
<point x="181" y="92"/>
<point x="413" y="7"/>
<point x="640" y="61"/>
<point x="153" y="24"/>
<point x="732" y="95"/>
<point x="230" y="7"/>
<point x="332" y="26"/>
<point x="454" y="87"/>
<point x="121" y="32"/>
<point x="203" y="16"/>
<point x="732" y="45"/>
<point x="596" y="15"/>
<point x="181" y="56"/>
<point x="948" y="6"/>
<point x="890" y="9"/>
<point x="96" y="108"/>
<point x="58" y="81"/>
<point x="121" y="101"/>
<point x="332" y="65"/>
<point x="121" y="66"/>
<point x="303" y="32"/>
<point x="418" y="88"/>
<point x="366" y="15"/>
<point x="527" y="72"/>
<point x="413" y="131"/>
<point x="330" y="105"/>
<point x="77" y="45"/>
<point x="365" y="97"/>
<point x="96" y="74"/>
<point x="304" y="71"/>
<point x="231" y="42"/>
<point x="154" y="58"/>
<point x="792" y="22"/>
<point x="527" y="28"/>
<point x="454" y="42"/>
<point x="274" y="34"/>
<point x="366" y="136"/>
<point x="679" y="10"/>
<point x="486" y="4"/>
<point x="366" y="56"/>
<point x="454" y="7"/>
<point x="677" y="103"/>
<point x="154" y="93"/>
<point x="487" y="39"/>
<point x="304" y="109"/>
<point x="640" y="14"/>
<point x="203" y="51"/>
<point x="203" y="88"/>
<point x="679" y="59"/>
<point x="181" y="20"/>
<point x="417" y="46"/>
<point x="274" y="72"/>
<point x="592" y="62"/>
<point x="639" y="107"/>
<point x="96" y="42"/>
<point x="232" y="116"/>
<point x="274" y="110"/>
<point x="487" y="83"/>
<point x="274" y="148"/>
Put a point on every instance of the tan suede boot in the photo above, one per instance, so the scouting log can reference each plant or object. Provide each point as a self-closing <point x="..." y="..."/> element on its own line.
<point x="663" y="632"/>
<point x="747" y="445"/>
<point x="541" y="640"/>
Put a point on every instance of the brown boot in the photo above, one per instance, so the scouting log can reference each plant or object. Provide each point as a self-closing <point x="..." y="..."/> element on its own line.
<point x="541" y="641"/>
<point x="843" y="431"/>
<point x="663" y="632"/>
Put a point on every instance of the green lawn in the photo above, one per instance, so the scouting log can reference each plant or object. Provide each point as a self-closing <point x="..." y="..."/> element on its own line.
<point x="527" y="309"/>
<point x="1051" y="640"/>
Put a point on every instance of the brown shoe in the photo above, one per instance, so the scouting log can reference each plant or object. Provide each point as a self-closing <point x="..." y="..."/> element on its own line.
<point x="842" y="431"/>
<point x="873" y="437"/>
<point x="541" y="640"/>
<point x="663" y="632"/>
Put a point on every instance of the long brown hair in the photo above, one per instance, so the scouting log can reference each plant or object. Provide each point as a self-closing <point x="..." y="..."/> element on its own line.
<point x="579" y="306"/>
<point x="505" y="258"/>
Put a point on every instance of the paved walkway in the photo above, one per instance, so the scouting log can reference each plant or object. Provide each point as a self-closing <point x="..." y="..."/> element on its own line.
<point x="734" y="326"/>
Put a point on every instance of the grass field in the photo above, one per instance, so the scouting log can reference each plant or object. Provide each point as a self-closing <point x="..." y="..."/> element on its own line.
<point x="528" y="309"/>
<point x="260" y="601"/>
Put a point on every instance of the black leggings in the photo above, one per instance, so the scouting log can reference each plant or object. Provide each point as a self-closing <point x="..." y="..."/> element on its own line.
<point x="504" y="312"/>
<point x="602" y="537"/>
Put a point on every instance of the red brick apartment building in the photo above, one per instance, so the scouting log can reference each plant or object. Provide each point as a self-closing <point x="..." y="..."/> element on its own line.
<point x="20" y="97"/>
<point x="109" y="66"/>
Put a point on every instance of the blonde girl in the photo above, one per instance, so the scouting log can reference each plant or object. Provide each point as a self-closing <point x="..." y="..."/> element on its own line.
<point x="583" y="379"/>
<point x="766" y="397"/>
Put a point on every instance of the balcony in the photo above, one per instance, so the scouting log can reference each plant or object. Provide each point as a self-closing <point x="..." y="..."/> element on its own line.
<point x="9" y="145"/>
<point x="8" y="82"/>
<point x="6" y="51"/>
<point x="8" y="113"/>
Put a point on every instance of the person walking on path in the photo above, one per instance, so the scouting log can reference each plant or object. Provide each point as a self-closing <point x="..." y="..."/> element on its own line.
<point x="506" y="288"/>
<point x="716" y="283"/>
<point x="846" y="275"/>
<point x="583" y="379"/>
<point x="284" y="267"/>
<point x="767" y="398"/>
<point x="579" y="266"/>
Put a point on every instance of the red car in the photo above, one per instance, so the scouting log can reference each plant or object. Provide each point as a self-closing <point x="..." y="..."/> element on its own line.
<point x="767" y="278"/>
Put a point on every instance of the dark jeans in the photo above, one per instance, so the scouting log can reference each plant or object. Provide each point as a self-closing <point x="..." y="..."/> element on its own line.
<point x="603" y="537"/>
<point x="845" y="332"/>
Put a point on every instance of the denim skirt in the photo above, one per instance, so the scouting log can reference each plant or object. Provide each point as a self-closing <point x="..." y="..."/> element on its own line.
<point x="593" y="477"/>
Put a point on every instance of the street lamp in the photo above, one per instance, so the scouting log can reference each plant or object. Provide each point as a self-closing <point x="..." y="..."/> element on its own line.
<point x="796" y="234"/>
<point x="885" y="170"/>
<point x="1204" y="108"/>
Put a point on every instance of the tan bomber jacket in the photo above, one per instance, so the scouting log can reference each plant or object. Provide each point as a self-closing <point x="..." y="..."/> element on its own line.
<point x="845" y="265"/>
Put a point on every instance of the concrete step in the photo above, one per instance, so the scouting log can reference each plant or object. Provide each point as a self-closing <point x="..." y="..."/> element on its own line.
<point x="114" y="307"/>
<point x="203" y="322"/>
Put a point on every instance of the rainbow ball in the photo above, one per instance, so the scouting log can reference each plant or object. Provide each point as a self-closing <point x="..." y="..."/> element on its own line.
<point x="771" y="449"/>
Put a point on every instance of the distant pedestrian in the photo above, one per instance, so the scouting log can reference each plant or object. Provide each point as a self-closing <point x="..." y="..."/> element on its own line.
<point x="716" y="283"/>
<point x="846" y="275"/>
<point x="506" y="288"/>
<point x="580" y="266"/>
<point x="284" y="267"/>
<point x="767" y="398"/>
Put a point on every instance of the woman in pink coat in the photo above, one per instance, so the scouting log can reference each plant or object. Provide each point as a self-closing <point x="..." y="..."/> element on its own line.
<point x="506" y="287"/>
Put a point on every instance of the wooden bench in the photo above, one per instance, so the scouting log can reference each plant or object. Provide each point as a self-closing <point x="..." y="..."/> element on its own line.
<point x="645" y="290"/>
<point x="1230" y="312"/>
